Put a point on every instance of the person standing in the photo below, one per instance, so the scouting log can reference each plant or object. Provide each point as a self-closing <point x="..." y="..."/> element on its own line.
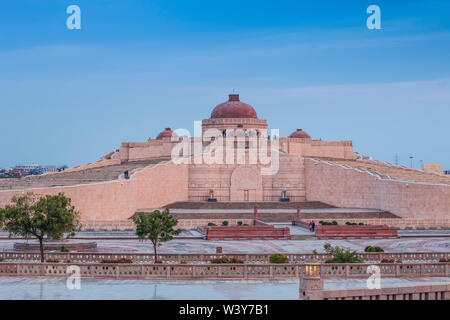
<point x="313" y="226"/>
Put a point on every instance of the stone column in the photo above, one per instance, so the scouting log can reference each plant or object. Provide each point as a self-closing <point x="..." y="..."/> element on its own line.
<point x="255" y="214"/>
<point x="311" y="288"/>
<point x="311" y="285"/>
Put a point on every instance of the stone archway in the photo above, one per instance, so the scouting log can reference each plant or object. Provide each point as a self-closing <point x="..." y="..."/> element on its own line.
<point x="246" y="184"/>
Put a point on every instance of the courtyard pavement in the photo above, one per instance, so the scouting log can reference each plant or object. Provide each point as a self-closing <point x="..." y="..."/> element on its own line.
<point x="42" y="288"/>
<point x="438" y="244"/>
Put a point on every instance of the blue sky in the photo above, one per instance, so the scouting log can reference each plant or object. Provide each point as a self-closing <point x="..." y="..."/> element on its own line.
<point x="135" y="67"/>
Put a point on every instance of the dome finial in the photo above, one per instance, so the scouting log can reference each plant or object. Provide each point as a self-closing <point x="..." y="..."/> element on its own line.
<point x="233" y="108"/>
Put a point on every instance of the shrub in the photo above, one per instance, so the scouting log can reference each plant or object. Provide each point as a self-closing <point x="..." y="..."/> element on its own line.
<point x="373" y="249"/>
<point x="444" y="260"/>
<point x="245" y="224"/>
<point x="52" y="260"/>
<point x="122" y="260"/>
<point x="278" y="258"/>
<point x="225" y="259"/>
<point x="64" y="249"/>
<point x="334" y="223"/>
<point x="385" y="260"/>
<point x="354" y="223"/>
<point x="239" y="223"/>
<point x="225" y="223"/>
<point x="341" y="255"/>
<point x="211" y="224"/>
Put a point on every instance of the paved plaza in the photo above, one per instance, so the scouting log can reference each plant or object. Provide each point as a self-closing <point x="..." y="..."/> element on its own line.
<point x="429" y="244"/>
<point x="55" y="288"/>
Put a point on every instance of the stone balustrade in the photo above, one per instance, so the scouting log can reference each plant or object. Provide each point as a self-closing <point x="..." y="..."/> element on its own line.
<point x="312" y="288"/>
<point x="221" y="271"/>
<point x="356" y="231"/>
<point x="260" y="231"/>
<point x="301" y="258"/>
<point x="416" y="292"/>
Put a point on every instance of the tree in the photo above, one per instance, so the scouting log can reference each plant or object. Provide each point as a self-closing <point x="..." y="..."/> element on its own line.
<point x="157" y="227"/>
<point x="45" y="217"/>
<point x="341" y="255"/>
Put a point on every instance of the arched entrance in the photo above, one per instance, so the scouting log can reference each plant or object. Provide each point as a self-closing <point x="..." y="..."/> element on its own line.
<point x="246" y="184"/>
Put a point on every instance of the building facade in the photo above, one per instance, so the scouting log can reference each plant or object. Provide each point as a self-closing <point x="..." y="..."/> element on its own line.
<point x="237" y="160"/>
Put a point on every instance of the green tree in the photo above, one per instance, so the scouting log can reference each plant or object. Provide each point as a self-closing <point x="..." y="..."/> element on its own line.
<point x="341" y="255"/>
<point x="157" y="227"/>
<point x="47" y="217"/>
<point x="278" y="258"/>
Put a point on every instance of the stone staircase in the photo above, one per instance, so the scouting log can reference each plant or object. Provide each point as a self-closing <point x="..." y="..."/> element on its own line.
<point x="390" y="171"/>
<point x="106" y="173"/>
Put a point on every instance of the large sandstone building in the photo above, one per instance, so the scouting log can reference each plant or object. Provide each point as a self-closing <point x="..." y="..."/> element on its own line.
<point x="313" y="173"/>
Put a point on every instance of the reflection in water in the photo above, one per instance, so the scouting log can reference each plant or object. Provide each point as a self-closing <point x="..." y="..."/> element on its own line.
<point x="55" y="288"/>
<point x="112" y="289"/>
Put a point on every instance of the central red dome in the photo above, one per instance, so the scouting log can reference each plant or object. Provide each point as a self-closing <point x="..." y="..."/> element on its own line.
<point x="167" y="133"/>
<point x="300" y="134"/>
<point x="233" y="108"/>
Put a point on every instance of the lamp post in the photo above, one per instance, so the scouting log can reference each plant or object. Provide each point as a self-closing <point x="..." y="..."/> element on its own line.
<point x="411" y="158"/>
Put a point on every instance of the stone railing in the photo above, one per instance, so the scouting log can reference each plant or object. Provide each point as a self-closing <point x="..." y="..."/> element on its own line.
<point x="356" y="231"/>
<point x="259" y="231"/>
<point x="205" y="258"/>
<point x="415" y="292"/>
<point x="403" y="223"/>
<point x="312" y="288"/>
<point x="221" y="271"/>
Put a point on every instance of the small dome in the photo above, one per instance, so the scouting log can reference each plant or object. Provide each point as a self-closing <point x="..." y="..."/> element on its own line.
<point x="299" y="133"/>
<point x="167" y="133"/>
<point x="233" y="108"/>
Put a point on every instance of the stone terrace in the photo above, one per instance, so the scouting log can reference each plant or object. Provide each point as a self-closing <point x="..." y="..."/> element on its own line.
<point x="247" y="205"/>
<point x="106" y="173"/>
<point x="269" y="211"/>
<point x="389" y="171"/>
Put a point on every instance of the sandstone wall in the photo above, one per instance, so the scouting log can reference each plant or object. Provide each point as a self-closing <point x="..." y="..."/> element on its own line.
<point x="318" y="148"/>
<point x="134" y="151"/>
<point x="151" y="187"/>
<point x="232" y="182"/>
<point x="349" y="187"/>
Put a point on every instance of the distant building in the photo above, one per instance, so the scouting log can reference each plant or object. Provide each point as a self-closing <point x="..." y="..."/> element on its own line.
<point x="33" y="169"/>
<point x="432" y="168"/>
<point x="47" y="169"/>
<point x="28" y="168"/>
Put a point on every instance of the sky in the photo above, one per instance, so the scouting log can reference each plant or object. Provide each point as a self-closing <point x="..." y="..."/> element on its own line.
<point x="67" y="97"/>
